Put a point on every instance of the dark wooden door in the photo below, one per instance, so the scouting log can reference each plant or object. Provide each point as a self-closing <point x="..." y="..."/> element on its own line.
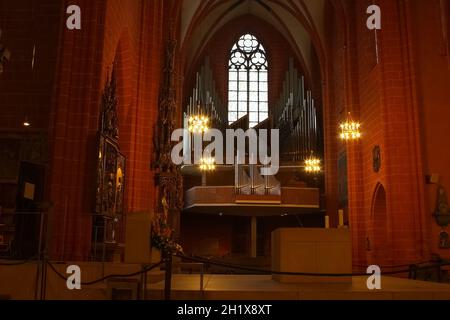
<point x="28" y="217"/>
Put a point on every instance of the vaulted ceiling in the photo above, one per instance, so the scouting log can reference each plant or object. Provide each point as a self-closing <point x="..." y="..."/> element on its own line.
<point x="301" y="21"/>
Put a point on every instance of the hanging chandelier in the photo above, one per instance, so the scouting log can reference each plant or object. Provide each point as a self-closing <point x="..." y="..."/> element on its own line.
<point x="198" y="123"/>
<point x="207" y="164"/>
<point x="313" y="165"/>
<point x="198" y="117"/>
<point x="350" y="129"/>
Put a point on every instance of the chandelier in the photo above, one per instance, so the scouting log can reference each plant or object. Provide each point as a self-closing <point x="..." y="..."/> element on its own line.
<point x="199" y="120"/>
<point x="313" y="165"/>
<point x="198" y="123"/>
<point x="207" y="164"/>
<point x="350" y="130"/>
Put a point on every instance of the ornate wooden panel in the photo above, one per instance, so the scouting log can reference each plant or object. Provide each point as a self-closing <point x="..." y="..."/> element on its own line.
<point x="111" y="163"/>
<point x="168" y="176"/>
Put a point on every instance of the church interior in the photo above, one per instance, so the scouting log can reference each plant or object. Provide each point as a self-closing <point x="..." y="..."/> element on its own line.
<point x="97" y="98"/>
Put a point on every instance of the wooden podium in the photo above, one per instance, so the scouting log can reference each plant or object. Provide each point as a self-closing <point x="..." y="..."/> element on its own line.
<point x="325" y="251"/>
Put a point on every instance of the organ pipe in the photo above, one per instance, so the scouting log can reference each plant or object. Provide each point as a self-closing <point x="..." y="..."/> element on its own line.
<point x="205" y="98"/>
<point x="295" y="115"/>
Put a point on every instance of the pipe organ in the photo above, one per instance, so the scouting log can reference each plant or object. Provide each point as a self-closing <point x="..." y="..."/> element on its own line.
<point x="296" y="116"/>
<point x="205" y="99"/>
<point x="251" y="182"/>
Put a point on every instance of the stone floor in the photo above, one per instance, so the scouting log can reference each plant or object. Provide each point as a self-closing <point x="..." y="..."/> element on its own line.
<point x="19" y="283"/>
<point x="230" y="287"/>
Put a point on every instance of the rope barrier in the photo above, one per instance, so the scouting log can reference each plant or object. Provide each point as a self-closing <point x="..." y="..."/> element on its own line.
<point x="17" y="263"/>
<point x="395" y="266"/>
<point x="107" y="277"/>
<point x="306" y="274"/>
<point x="242" y="268"/>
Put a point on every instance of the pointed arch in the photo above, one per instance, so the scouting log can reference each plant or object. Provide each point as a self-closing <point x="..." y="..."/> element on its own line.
<point x="379" y="226"/>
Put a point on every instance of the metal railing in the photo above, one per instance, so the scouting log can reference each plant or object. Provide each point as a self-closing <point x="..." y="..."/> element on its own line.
<point x="196" y="265"/>
<point x="23" y="235"/>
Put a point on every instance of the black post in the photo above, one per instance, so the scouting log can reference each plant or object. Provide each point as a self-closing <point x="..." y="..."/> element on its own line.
<point x="168" y="280"/>
<point x="44" y="279"/>
<point x="144" y="282"/>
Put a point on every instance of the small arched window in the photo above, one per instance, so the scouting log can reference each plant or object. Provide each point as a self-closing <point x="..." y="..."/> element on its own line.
<point x="248" y="92"/>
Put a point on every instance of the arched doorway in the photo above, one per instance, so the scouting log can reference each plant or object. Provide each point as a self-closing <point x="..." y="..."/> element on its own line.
<point x="379" y="227"/>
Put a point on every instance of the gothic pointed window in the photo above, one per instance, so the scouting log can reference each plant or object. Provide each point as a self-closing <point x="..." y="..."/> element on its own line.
<point x="248" y="92"/>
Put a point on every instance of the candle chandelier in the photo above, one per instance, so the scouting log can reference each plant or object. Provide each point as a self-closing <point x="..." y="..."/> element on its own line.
<point x="313" y="165"/>
<point x="198" y="118"/>
<point x="350" y="129"/>
<point x="198" y="123"/>
<point x="207" y="164"/>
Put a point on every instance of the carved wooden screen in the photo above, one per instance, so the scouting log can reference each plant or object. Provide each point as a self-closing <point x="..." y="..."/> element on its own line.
<point x="111" y="163"/>
<point x="110" y="178"/>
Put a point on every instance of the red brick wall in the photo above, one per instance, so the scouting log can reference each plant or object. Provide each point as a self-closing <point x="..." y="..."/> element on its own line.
<point x="201" y="234"/>
<point x="129" y="33"/>
<point x="402" y="150"/>
<point x="138" y="52"/>
<point x="333" y="104"/>
<point x="382" y="97"/>
<point x="432" y="76"/>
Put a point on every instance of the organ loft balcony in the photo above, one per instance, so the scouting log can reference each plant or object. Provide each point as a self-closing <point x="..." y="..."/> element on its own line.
<point x="243" y="191"/>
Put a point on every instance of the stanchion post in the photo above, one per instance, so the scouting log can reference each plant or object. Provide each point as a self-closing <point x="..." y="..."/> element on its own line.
<point x="168" y="278"/>
<point x="144" y="281"/>
<point x="44" y="278"/>
<point x="42" y="261"/>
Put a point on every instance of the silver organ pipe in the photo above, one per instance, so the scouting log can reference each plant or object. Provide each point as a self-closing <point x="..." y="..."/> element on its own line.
<point x="205" y="98"/>
<point x="296" y="116"/>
